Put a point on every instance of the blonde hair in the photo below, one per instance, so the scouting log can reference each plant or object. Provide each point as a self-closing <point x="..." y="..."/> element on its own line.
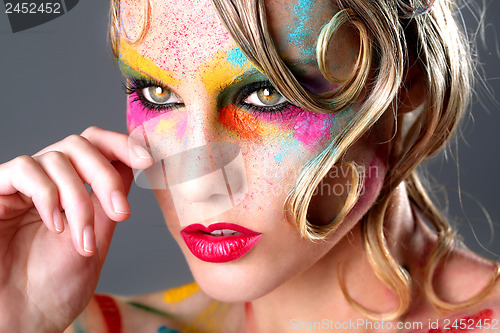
<point x="389" y="30"/>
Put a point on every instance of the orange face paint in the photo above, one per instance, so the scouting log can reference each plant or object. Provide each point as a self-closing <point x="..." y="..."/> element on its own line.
<point x="246" y="124"/>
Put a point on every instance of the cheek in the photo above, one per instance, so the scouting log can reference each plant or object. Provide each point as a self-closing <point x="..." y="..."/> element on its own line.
<point x="374" y="174"/>
<point x="136" y="113"/>
<point x="277" y="144"/>
<point x="312" y="129"/>
<point x="171" y="124"/>
<point x="296" y="126"/>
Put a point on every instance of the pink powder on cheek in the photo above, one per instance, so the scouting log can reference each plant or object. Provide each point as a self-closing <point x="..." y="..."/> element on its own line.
<point x="181" y="128"/>
<point x="136" y="114"/>
<point x="158" y="121"/>
<point x="312" y="128"/>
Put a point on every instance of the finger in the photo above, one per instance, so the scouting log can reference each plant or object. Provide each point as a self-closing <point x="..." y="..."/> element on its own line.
<point x="103" y="228"/>
<point x="95" y="169"/>
<point x="74" y="199"/>
<point x="14" y="205"/>
<point x="24" y="175"/>
<point x="123" y="147"/>
<point x="112" y="145"/>
<point x="125" y="174"/>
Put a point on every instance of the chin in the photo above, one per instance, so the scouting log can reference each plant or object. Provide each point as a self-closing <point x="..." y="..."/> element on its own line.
<point x="233" y="282"/>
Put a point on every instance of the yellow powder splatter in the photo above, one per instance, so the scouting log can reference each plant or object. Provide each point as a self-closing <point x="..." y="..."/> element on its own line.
<point x="220" y="73"/>
<point x="165" y="126"/>
<point x="176" y="295"/>
<point x="131" y="57"/>
<point x="209" y="320"/>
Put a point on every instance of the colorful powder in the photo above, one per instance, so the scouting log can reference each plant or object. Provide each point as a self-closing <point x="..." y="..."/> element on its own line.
<point x="137" y="114"/>
<point x="302" y="31"/>
<point x="176" y="295"/>
<point x="209" y="319"/>
<point x="165" y="329"/>
<point x="279" y="158"/>
<point x="171" y="121"/>
<point x="132" y="62"/>
<point x="311" y="128"/>
<point x="222" y="70"/>
<point x="308" y="128"/>
<point x="150" y="309"/>
<point x="236" y="57"/>
<point x="244" y="123"/>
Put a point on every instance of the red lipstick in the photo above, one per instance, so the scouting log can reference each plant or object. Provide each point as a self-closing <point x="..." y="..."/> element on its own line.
<point x="219" y="242"/>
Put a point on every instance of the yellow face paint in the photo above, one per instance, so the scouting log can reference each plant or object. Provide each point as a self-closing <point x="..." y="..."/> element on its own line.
<point x="211" y="319"/>
<point x="132" y="62"/>
<point x="226" y="68"/>
<point x="176" y="295"/>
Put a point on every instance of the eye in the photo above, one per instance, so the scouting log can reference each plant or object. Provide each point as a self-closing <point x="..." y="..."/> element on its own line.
<point x="160" y="96"/>
<point x="266" y="96"/>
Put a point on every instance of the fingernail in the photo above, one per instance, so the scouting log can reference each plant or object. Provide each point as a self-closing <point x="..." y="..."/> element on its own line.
<point x="89" y="239"/>
<point x="58" y="221"/>
<point x="119" y="203"/>
<point x="141" y="152"/>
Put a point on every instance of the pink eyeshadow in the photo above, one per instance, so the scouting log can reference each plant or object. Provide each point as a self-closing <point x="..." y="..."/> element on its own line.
<point x="136" y="114"/>
<point x="310" y="127"/>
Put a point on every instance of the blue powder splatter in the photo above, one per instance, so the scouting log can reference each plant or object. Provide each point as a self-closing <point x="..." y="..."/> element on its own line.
<point x="279" y="157"/>
<point x="165" y="329"/>
<point x="298" y="35"/>
<point x="236" y="57"/>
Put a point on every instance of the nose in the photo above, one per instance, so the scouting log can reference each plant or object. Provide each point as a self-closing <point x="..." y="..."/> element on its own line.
<point x="206" y="181"/>
<point x="204" y="172"/>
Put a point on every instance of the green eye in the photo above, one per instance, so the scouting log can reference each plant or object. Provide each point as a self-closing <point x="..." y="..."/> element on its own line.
<point x="267" y="96"/>
<point x="160" y="95"/>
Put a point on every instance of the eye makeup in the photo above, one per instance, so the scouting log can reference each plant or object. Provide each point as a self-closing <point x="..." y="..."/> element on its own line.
<point x="230" y="78"/>
<point x="311" y="128"/>
<point x="245" y="124"/>
<point x="225" y="69"/>
<point x="133" y="65"/>
<point x="250" y="122"/>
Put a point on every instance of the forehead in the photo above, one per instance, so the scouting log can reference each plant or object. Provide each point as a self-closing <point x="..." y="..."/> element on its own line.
<point x="182" y="34"/>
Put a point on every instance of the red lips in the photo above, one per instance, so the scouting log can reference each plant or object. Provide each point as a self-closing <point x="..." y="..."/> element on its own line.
<point x="231" y="242"/>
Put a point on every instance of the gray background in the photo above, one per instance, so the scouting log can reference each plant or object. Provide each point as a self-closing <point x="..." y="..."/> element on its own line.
<point x="59" y="78"/>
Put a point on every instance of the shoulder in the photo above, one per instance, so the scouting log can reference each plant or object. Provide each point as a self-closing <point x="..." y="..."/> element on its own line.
<point x="462" y="277"/>
<point x="183" y="308"/>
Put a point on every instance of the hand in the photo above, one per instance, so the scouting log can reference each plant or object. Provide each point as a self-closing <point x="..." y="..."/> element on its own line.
<point x="54" y="235"/>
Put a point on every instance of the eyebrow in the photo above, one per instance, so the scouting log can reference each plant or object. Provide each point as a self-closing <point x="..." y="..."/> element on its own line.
<point x="134" y="65"/>
<point x="252" y="71"/>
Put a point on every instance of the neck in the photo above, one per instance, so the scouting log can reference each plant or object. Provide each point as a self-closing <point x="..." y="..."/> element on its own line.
<point x="315" y="295"/>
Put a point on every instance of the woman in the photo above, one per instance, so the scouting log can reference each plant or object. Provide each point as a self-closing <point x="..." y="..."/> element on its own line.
<point x="285" y="171"/>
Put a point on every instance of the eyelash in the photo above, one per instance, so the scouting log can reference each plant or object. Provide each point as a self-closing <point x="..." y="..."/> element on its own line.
<point x="134" y="87"/>
<point x="269" y="111"/>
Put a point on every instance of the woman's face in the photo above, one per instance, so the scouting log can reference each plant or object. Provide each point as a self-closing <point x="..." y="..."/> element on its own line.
<point x="228" y="147"/>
